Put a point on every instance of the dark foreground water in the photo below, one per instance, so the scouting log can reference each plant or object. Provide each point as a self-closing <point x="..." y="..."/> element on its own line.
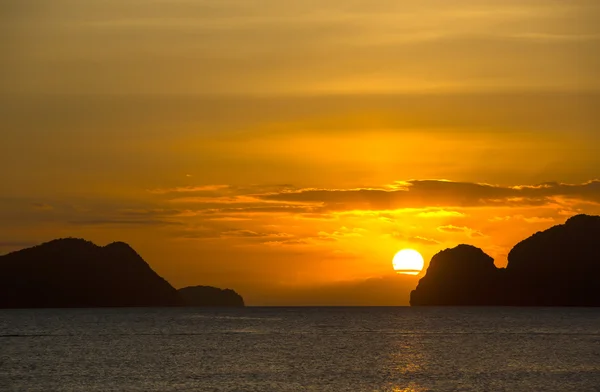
<point x="301" y="349"/>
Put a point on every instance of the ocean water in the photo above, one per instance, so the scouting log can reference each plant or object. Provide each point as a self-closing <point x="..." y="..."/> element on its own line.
<point x="301" y="349"/>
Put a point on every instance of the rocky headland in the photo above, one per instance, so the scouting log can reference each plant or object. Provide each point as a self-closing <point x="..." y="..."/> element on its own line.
<point x="556" y="267"/>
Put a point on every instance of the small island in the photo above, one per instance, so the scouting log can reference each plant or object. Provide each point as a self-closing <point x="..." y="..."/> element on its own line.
<point x="210" y="296"/>
<point x="557" y="267"/>
<point x="75" y="273"/>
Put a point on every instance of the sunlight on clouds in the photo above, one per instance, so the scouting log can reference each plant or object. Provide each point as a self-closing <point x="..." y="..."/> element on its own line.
<point x="440" y="214"/>
<point x="469" y="232"/>
<point x="345" y="236"/>
<point x="293" y="146"/>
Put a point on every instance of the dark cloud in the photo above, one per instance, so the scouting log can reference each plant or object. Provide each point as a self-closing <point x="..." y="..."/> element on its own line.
<point x="436" y="193"/>
<point x="123" y="222"/>
<point x="258" y="208"/>
<point x="242" y="233"/>
<point x="222" y="190"/>
<point x="228" y="233"/>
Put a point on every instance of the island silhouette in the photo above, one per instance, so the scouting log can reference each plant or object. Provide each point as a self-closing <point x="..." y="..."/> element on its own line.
<point x="210" y="296"/>
<point x="75" y="273"/>
<point x="556" y="267"/>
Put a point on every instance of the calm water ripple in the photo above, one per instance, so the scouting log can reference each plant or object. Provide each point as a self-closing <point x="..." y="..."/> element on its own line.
<point x="301" y="349"/>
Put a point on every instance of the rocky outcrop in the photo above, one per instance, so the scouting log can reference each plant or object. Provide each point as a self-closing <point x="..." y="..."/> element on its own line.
<point x="210" y="296"/>
<point x="559" y="266"/>
<point x="77" y="273"/>
<point x="556" y="267"/>
<point x="464" y="275"/>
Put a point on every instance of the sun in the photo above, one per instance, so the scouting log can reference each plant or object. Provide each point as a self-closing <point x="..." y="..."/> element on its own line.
<point x="408" y="261"/>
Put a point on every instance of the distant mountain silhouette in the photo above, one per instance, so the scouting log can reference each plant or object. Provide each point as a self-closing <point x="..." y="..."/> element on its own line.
<point x="77" y="273"/>
<point x="210" y="296"/>
<point x="68" y="273"/>
<point x="556" y="267"/>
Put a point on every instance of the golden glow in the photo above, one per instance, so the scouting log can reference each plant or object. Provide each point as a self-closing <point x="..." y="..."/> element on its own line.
<point x="408" y="261"/>
<point x="288" y="161"/>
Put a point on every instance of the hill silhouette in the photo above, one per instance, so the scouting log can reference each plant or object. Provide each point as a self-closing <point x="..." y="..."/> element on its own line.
<point x="556" y="267"/>
<point x="76" y="273"/>
<point x="464" y="275"/>
<point x="210" y="296"/>
<point x="559" y="266"/>
<point x="67" y="273"/>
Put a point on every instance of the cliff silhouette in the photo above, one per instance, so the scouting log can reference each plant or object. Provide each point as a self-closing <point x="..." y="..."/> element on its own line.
<point x="557" y="267"/>
<point x="464" y="275"/>
<point x="68" y="273"/>
<point x="210" y="296"/>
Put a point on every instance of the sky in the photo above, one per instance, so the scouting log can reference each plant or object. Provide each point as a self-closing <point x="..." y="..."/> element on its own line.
<point x="289" y="149"/>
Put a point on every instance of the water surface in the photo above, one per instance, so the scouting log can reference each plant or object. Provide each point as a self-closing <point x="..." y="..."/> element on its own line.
<point x="301" y="349"/>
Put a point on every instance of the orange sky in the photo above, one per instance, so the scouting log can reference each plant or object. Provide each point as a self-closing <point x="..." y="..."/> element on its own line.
<point x="289" y="149"/>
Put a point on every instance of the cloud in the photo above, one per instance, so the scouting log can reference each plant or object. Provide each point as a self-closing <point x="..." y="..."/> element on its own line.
<point x="229" y="219"/>
<point x="222" y="189"/>
<point x="500" y="219"/>
<point x="440" y="193"/>
<point x="123" y="222"/>
<point x="286" y="242"/>
<point x="204" y="233"/>
<point x="533" y="219"/>
<point x="424" y="240"/>
<point x="413" y="239"/>
<point x="241" y="233"/>
<point x="189" y="189"/>
<point x="472" y="233"/>
<point x="253" y="234"/>
<point x="111" y="216"/>
<point x="440" y="214"/>
<point x="343" y="232"/>
<point x="324" y="236"/>
<point x="257" y="208"/>
<point x="427" y="199"/>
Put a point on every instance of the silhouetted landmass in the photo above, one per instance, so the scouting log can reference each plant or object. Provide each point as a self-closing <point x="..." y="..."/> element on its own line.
<point x="559" y="266"/>
<point x="77" y="273"/>
<point x="74" y="273"/>
<point x="210" y="296"/>
<point x="556" y="267"/>
<point x="464" y="275"/>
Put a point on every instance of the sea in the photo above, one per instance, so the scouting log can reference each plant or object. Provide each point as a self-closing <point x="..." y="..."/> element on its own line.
<point x="301" y="349"/>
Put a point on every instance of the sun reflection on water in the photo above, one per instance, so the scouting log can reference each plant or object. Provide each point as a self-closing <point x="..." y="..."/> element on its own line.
<point x="410" y="388"/>
<point x="408" y="360"/>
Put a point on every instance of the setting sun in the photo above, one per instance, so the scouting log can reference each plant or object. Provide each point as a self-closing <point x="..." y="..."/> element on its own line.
<point x="408" y="261"/>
